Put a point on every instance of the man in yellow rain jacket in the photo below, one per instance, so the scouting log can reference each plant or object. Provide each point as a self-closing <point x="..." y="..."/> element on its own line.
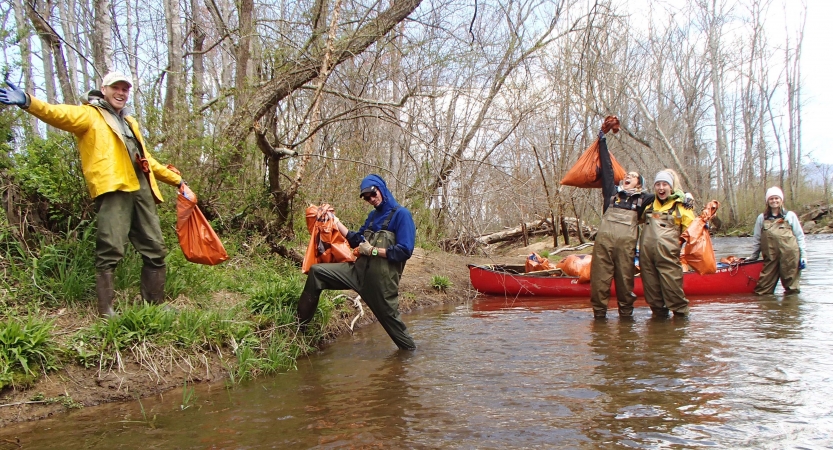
<point x="121" y="176"/>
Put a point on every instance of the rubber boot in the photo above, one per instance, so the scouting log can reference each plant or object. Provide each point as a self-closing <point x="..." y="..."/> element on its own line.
<point x="153" y="284"/>
<point x="600" y="314"/>
<point x="307" y="305"/>
<point x="105" y="293"/>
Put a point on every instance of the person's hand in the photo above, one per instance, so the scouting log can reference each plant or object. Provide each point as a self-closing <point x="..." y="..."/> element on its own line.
<point x="365" y="248"/>
<point x="184" y="192"/>
<point x="601" y="134"/>
<point x="752" y="257"/>
<point x="802" y="264"/>
<point x="688" y="201"/>
<point x="12" y="95"/>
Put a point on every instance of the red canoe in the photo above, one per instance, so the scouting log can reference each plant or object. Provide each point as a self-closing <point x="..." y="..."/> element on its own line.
<point x="510" y="280"/>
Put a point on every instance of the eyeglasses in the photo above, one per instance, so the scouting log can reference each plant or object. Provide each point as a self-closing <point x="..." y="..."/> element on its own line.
<point x="632" y="175"/>
<point x="368" y="196"/>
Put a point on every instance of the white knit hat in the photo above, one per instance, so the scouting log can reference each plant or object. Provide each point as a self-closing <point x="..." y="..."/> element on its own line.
<point x="666" y="177"/>
<point x="774" y="191"/>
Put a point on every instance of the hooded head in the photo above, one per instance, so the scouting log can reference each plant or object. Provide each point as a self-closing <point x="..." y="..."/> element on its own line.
<point x="375" y="181"/>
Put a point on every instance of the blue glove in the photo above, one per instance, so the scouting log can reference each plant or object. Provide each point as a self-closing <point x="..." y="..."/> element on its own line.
<point x="802" y="264"/>
<point x="601" y="134"/>
<point x="12" y="95"/>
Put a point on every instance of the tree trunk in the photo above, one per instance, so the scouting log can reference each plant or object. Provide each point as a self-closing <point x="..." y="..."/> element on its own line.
<point x="103" y="38"/>
<point x="198" y="90"/>
<point x="31" y="127"/>
<point x="54" y="62"/>
<point x="175" y="73"/>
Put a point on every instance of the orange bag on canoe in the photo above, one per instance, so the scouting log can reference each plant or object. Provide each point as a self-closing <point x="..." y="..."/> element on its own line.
<point x="587" y="171"/>
<point x="326" y="244"/>
<point x="536" y="263"/>
<point x="698" y="252"/>
<point x="576" y="266"/>
<point x="200" y="244"/>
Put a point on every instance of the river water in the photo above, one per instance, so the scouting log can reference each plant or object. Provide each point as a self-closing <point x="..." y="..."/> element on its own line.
<point x="742" y="372"/>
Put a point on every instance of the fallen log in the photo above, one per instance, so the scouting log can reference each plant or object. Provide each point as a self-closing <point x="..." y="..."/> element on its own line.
<point x="572" y="249"/>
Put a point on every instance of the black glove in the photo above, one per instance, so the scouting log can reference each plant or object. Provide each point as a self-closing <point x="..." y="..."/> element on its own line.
<point x="753" y="257"/>
<point x="12" y="95"/>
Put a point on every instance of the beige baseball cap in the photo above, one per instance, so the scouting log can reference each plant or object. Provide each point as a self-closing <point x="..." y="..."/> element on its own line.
<point x="114" y="77"/>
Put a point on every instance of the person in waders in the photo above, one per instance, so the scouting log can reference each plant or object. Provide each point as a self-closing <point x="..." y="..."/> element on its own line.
<point x="615" y="245"/>
<point x="659" y="246"/>
<point x="121" y="176"/>
<point x="385" y="242"/>
<point x="779" y="237"/>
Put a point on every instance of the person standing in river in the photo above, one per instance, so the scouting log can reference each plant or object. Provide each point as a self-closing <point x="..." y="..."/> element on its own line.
<point x="385" y="243"/>
<point x="615" y="245"/>
<point x="779" y="237"/>
<point x="121" y="177"/>
<point x="659" y="246"/>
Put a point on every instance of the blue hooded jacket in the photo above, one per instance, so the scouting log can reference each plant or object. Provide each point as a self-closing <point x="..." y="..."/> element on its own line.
<point x="401" y="223"/>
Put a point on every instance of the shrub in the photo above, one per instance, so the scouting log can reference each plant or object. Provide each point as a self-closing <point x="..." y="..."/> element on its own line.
<point x="440" y="283"/>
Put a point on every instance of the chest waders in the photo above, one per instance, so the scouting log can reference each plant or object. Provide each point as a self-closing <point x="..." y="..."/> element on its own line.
<point x="375" y="278"/>
<point x="613" y="253"/>
<point x="779" y="249"/>
<point x="659" y="261"/>
<point x="129" y="216"/>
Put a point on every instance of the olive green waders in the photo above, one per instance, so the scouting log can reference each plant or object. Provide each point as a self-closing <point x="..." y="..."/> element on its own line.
<point x="781" y="256"/>
<point x="659" y="263"/>
<point x="375" y="278"/>
<point x="122" y="217"/>
<point x="613" y="254"/>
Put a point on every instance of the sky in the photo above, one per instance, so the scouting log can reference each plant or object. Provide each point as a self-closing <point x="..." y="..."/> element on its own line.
<point x="817" y="72"/>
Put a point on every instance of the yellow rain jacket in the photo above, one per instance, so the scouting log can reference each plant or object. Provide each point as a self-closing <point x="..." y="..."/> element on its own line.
<point x="686" y="215"/>
<point x="105" y="160"/>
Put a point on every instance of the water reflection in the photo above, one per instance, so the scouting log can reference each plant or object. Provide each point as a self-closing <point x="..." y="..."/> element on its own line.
<point x="780" y="316"/>
<point x="649" y="378"/>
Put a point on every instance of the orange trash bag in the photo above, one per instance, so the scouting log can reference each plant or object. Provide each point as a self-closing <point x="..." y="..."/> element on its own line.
<point x="576" y="266"/>
<point x="536" y="263"/>
<point x="698" y="252"/>
<point x="587" y="171"/>
<point x="200" y="244"/>
<point x="326" y="244"/>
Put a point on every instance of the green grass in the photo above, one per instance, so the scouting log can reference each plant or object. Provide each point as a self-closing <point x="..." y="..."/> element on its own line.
<point x="440" y="283"/>
<point x="242" y="311"/>
<point x="26" y="350"/>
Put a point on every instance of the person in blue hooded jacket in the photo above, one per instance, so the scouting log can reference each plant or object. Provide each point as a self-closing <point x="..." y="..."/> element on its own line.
<point x="385" y="242"/>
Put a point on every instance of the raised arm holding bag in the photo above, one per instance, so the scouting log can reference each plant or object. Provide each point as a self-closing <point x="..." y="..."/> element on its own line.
<point x="587" y="171"/>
